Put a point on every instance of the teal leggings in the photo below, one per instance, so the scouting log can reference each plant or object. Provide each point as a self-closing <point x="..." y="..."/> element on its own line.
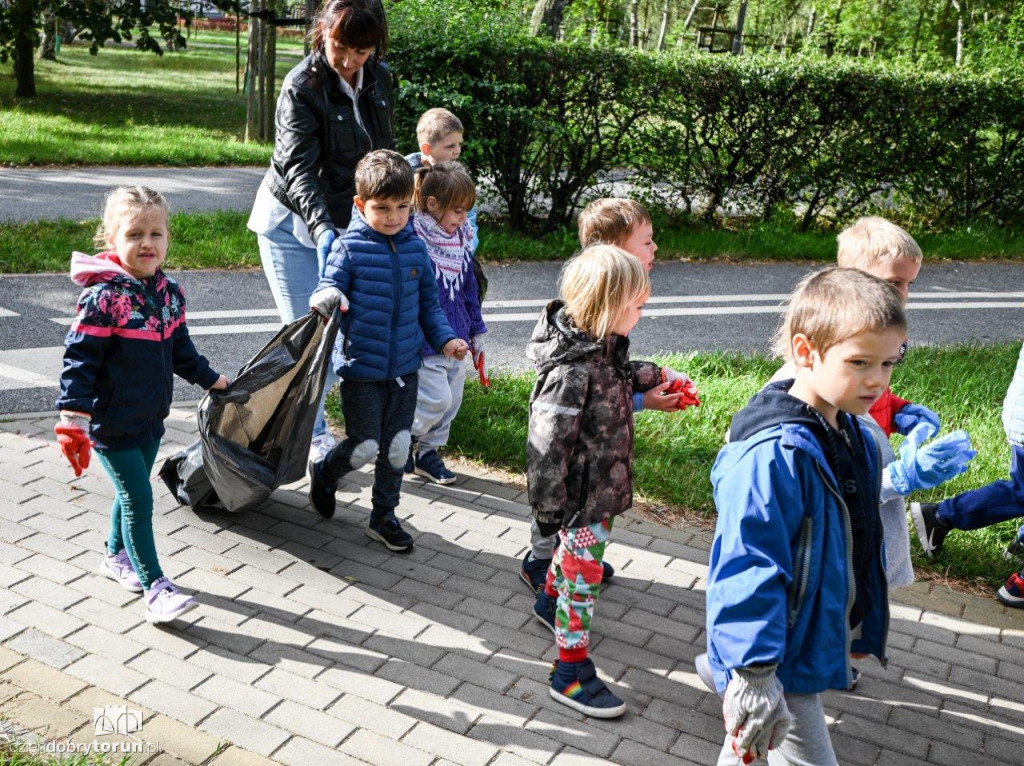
<point x="131" y="517"/>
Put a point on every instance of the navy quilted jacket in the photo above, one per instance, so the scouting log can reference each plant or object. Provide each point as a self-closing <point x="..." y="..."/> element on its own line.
<point x="389" y="282"/>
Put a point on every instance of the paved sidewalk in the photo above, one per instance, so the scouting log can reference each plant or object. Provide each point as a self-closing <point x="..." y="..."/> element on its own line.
<point x="315" y="646"/>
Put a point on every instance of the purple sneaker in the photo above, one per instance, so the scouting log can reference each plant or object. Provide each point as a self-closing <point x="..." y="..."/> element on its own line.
<point x="119" y="569"/>
<point x="165" y="603"/>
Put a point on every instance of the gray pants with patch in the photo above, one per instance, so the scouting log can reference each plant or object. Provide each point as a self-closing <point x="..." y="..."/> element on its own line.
<point x="378" y="415"/>
<point x="440" y="395"/>
<point x="807" y="744"/>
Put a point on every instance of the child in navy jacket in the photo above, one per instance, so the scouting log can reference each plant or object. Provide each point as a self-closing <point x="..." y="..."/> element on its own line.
<point x="127" y="342"/>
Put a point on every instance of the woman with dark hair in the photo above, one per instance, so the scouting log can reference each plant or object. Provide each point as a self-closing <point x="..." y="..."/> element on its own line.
<point x="334" y="107"/>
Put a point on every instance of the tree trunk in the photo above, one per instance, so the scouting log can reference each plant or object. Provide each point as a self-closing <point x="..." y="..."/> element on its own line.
<point x="48" y="47"/>
<point x="310" y="14"/>
<point x="270" y="83"/>
<point x="23" y="22"/>
<point x="664" y="26"/>
<point x="547" y="17"/>
<point x="737" y="40"/>
<point x="252" y="75"/>
<point x="634" y="23"/>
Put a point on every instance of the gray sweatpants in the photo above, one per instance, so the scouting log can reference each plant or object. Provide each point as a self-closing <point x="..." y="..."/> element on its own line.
<point x="440" y="396"/>
<point x="807" y="744"/>
<point x="542" y="547"/>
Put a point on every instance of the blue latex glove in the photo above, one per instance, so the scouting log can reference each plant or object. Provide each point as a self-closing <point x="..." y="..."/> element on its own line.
<point x="923" y="466"/>
<point x="323" y="247"/>
<point x="911" y="415"/>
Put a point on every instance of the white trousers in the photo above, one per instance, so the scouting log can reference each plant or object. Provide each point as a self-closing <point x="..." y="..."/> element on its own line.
<point x="440" y="396"/>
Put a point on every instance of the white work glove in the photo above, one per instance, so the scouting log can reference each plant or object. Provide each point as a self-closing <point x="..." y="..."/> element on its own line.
<point x="668" y="375"/>
<point x="755" y="712"/>
<point x="324" y="301"/>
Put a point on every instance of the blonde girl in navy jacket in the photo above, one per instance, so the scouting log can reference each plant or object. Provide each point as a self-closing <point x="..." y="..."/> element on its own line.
<point x="124" y="347"/>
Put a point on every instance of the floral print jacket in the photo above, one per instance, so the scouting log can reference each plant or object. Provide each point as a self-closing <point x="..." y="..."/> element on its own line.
<point x="127" y="341"/>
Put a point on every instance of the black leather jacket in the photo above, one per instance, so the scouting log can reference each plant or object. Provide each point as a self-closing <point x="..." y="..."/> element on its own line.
<point x="319" y="142"/>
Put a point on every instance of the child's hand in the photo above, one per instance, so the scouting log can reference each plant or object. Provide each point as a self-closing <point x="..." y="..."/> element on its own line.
<point x="324" y="301"/>
<point x="658" y="398"/>
<point x="456" y="348"/>
<point x="676" y="392"/>
<point x="755" y="712"/>
<point x="923" y="466"/>
<point x="221" y="384"/>
<point x="323" y="247"/>
<point x="73" y="437"/>
<point x="912" y="415"/>
<point x="477" y="347"/>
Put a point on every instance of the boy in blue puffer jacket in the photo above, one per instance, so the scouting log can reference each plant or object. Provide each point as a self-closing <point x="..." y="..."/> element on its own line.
<point x="380" y="275"/>
<point x="796" y="582"/>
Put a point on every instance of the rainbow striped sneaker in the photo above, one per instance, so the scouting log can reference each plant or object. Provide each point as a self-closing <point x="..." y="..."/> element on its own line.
<point x="576" y="684"/>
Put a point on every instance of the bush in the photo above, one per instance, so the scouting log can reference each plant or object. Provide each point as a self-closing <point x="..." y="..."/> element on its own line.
<point x="819" y="140"/>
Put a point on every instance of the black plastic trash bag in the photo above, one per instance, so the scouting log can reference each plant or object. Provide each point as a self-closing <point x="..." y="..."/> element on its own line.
<point x="185" y="477"/>
<point x="255" y="434"/>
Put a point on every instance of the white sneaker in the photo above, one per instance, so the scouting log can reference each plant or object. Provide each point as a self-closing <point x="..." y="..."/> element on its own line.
<point x="165" y="603"/>
<point x="119" y="569"/>
<point x="322" y="444"/>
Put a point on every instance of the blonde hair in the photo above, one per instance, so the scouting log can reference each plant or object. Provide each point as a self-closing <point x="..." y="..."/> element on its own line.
<point x="871" y="241"/>
<point x="610" y="220"/>
<point x="126" y="203"/>
<point x="435" y="124"/>
<point x="598" y="284"/>
<point x="447" y="182"/>
<point x="835" y="304"/>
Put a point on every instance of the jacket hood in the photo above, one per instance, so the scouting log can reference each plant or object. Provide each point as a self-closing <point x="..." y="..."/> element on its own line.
<point x="358" y="225"/>
<point x="88" y="269"/>
<point x="557" y="341"/>
<point x="772" y="406"/>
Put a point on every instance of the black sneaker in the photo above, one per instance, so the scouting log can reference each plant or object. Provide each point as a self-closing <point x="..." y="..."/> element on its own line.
<point x="430" y="466"/>
<point x="544" y="610"/>
<point x="931" y="531"/>
<point x="534" y="572"/>
<point x="410" y="463"/>
<point x="576" y="684"/>
<point x="321" y="492"/>
<point x="388" y="530"/>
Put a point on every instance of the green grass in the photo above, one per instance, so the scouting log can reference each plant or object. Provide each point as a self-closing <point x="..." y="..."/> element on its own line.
<point x="220" y="240"/>
<point x="675" y="452"/>
<point x="127" y="107"/>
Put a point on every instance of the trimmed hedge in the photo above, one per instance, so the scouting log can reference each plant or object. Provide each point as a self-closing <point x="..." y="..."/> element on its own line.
<point x="821" y="140"/>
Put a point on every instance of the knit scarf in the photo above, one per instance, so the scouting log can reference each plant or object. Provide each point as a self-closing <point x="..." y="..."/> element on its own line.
<point x="450" y="253"/>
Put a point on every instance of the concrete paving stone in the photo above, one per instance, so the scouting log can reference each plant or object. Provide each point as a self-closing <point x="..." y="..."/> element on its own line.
<point x="239" y="697"/>
<point x="405" y="567"/>
<point x="266" y="562"/>
<point x="178" y="643"/>
<point x="230" y="637"/>
<point x="51" y="651"/>
<point x="37" y="677"/>
<point x="366" y="715"/>
<point x="49" y="549"/>
<point x="106" y="674"/>
<point x="636" y="726"/>
<point x="988" y="648"/>
<point x="624" y="592"/>
<point x="244" y="669"/>
<point x="532" y="668"/>
<point x="506" y="758"/>
<point x="358" y="574"/>
<point x="16" y="512"/>
<point x="12" y="532"/>
<point x="651" y="685"/>
<point x="117" y="620"/>
<point x="572" y="729"/>
<point x="336" y="604"/>
<point x="637" y="754"/>
<point x="629" y="654"/>
<point x="8" y="659"/>
<point x="211" y="523"/>
<point x="194" y="557"/>
<point x="246" y="732"/>
<point x="907" y="742"/>
<point x="225" y="610"/>
<point x="472" y="587"/>
<point x="430" y="594"/>
<point x="454" y="640"/>
<point x="301" y="533"/>
<point x="184" y="741"/>
<point x="9" y="628"/>
<point x="490" y="526"/>
<point x="477" y="541"/>
<point x="317" y="558"/>
<point x="982" y="613"/>
<point x="96" y="640"/>
<point x="56" y="528"/>
<point x="413" y="676"/>
<point x="373" y="748"/>
<point x="48" y="592"/>
<point x="505" y="708"/>
<point x="956" y="656"/>
<point x="270" y="583"/>
<point x="691" y="749"/>
<point x="12" y="554"/>
<point x="478" y="673"/>
<point x="914" y="662"/>
<point x="441" y="742"/>
<point x="510" y="618"/>
<point x="995" y="686"/>
<point x="300" y="662"/>
<point x="863" y="702"/>
<point x="350" y="656"/>
<point x="685" y="649"/>
<point x="350" y="545"/>
<point x="947" y="729"/>
<point x="279" y="631"/>
<point x="403" y="625"/>
<point x="40" y="715"/>
<point x="183" y="674"/>
<point x="311" y="724"/>
<point x="667" y="626"/>
<point x="58" y="490"/>
<point x="438" y="616"/>
<point x="1002" y="750"/>
<point x="15" y="493"/>
<point x="180" y="706"/>
<point x="416" y="652"/>
<point x="208" y="582"/>
<point x="448" y="713"/>
<point x="10" y="600"/>
<point x="371" y="595"/>
<point x="46" y="618"/>
<point x="302" y="752"/>
<point x="354" y="682"/>
<point x="297" y="688"/>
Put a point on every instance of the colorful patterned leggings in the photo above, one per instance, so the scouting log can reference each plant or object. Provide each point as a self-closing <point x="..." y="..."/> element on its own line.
<point x="575" y="576"/>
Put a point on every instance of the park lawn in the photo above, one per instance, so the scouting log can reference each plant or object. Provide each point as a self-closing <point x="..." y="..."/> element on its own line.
<point x="220" y="240"/>
<point x="127" y="107"/>
<point x="674" y="452"/>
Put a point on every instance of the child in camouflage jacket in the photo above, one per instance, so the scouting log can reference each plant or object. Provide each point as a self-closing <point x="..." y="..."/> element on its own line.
<point x="580" y="451"/>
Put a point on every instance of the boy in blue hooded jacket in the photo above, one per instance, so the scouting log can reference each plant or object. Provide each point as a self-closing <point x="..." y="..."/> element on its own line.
<point x="380" y="275"/>
<point x="796" y="582"/>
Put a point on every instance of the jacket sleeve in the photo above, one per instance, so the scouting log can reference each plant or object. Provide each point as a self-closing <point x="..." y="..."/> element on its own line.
<point x="85" y="348"/>
<point x="337" y="273"/>
<point x="645" y="375"/>
<point x="471" y="291"/>
<point x="297" y="149"/>
<point x="760" y="504"/>
<point x="555" y="415"/>
<point x="433" y="322"/>
<point x="188" y="363"/>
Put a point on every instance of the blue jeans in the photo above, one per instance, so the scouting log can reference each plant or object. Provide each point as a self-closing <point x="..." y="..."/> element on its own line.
<point x="293" y="273"/>
<point x="131" y="517"/>
<point x="995" y="502"/>
<point x="378" y="419"/>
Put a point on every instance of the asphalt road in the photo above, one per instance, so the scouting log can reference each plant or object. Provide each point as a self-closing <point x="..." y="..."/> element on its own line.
<point x="693" y="307"/>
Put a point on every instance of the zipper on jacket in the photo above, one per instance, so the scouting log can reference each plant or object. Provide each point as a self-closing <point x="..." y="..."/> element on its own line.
<point x="803" y="569"/>
<point x="885" y="578"/>
<point x="851" y="587"/>
<point x="396" y="278"/>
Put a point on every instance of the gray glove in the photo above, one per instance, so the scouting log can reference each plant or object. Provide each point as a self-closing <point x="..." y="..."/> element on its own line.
<point x="324" y="301"/>
<point x="755" y="711"/>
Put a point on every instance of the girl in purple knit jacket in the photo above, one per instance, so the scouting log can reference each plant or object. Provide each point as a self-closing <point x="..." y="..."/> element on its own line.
<point x="444" y="194"/>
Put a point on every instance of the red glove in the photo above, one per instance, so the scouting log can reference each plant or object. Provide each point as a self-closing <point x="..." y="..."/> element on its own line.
<point x="688" y="391"/>
<point x="482" y="371"/>
<point x="74" y="441"/>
